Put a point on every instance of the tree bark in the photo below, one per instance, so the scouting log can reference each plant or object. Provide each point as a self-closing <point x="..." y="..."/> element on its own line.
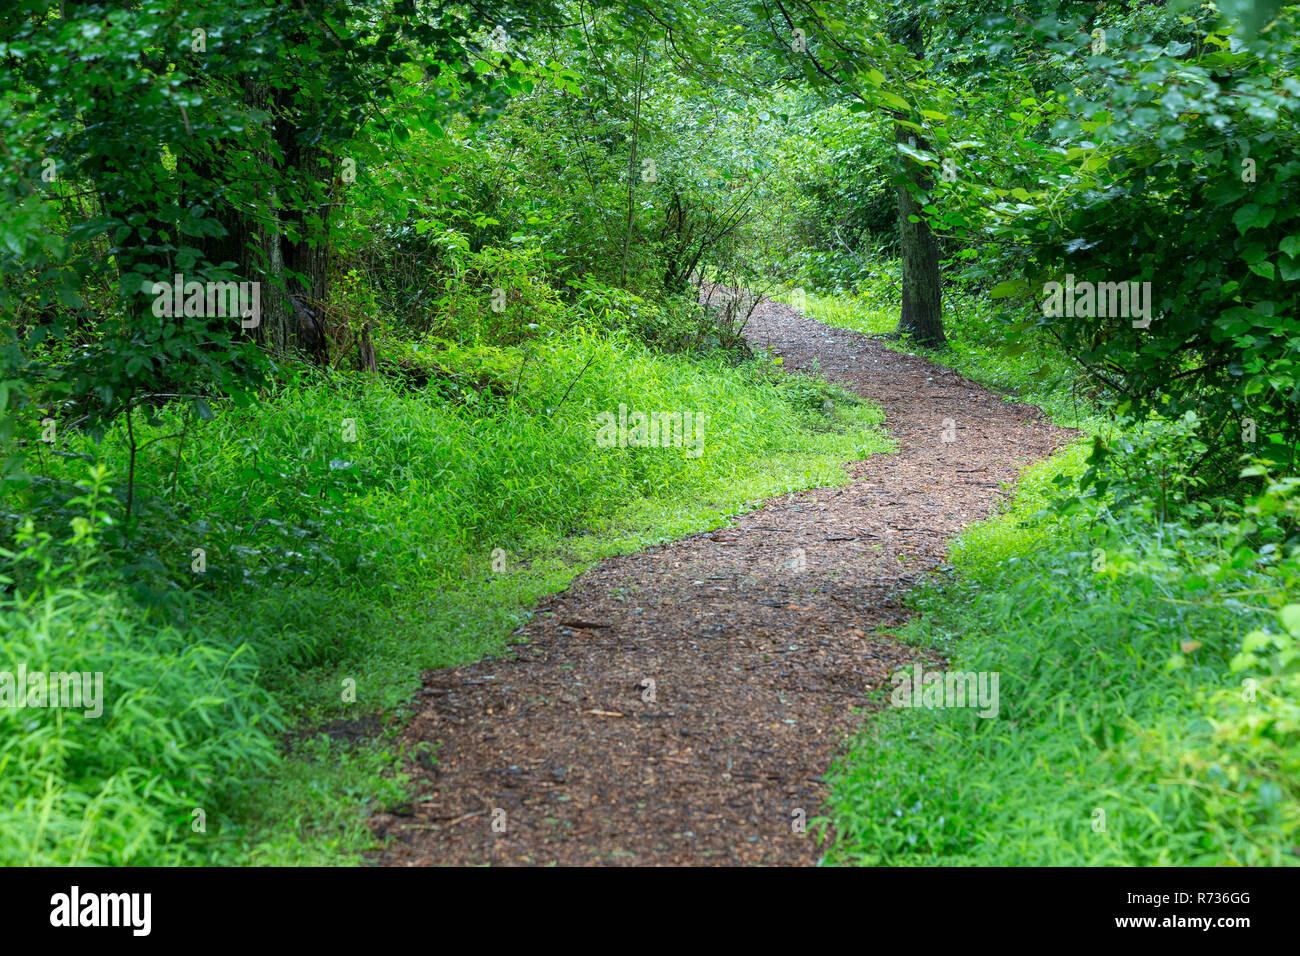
<point x="921" y="316"/>
<point x="291" y="309"/>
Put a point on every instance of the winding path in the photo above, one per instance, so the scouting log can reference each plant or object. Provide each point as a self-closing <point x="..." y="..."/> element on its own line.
<point x="757" y="665"/>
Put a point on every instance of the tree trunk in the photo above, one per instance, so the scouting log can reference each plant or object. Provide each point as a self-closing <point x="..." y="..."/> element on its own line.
<point x="291" y="319"/>
<point x="921" y="316"/>
<point x="308" y="254"/>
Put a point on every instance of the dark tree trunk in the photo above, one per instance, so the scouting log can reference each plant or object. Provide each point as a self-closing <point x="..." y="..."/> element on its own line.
<point x="921" y="316"/>
<point x="676" y="237"/>
<point x="297" y="246"/>
<point x="255" y="217"/>
<point x="291" y="320"/>
<point x="308" y="253"/>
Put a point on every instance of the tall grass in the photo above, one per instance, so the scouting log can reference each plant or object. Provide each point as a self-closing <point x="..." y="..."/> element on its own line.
<point x="1145" y="644"/>
<point x="1147" y="698"/>
<point x="181" y="721"/>
<point x="321" y="548"/>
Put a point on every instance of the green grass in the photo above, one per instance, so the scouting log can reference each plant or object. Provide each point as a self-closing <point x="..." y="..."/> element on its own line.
<point x="182" y="720"/>
<point x="1127" y="733"/>
<point x="337" y="566"/>
<point x="1147" y="667"/>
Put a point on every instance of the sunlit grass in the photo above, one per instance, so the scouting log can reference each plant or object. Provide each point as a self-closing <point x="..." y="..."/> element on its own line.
<point x="354" y="532"/>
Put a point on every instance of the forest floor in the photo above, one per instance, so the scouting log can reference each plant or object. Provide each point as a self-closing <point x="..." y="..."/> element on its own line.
<point x="681" y="705"/>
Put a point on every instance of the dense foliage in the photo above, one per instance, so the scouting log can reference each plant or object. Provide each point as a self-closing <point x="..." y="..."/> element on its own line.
<point x="308" y="309"/>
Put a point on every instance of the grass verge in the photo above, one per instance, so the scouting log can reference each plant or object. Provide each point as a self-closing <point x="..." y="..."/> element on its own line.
<point x="294" y="563"/>
<point x="1147" y="671"/>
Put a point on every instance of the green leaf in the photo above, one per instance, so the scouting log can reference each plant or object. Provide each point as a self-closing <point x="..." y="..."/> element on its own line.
<point x="1251" y="216"/>
<point x="894" y="100"/>
<point x="1256" y="641"/>
<point x="1009" y="288"/>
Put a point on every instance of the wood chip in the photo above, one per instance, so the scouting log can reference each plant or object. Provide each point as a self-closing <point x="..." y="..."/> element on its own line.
<point x="764" y="723"/>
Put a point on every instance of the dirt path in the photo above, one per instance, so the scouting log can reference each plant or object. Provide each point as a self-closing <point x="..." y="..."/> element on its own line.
<point x="757" y="665"/>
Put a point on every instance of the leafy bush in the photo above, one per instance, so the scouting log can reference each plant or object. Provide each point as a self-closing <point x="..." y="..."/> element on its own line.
<point x="1171" y="162"/>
